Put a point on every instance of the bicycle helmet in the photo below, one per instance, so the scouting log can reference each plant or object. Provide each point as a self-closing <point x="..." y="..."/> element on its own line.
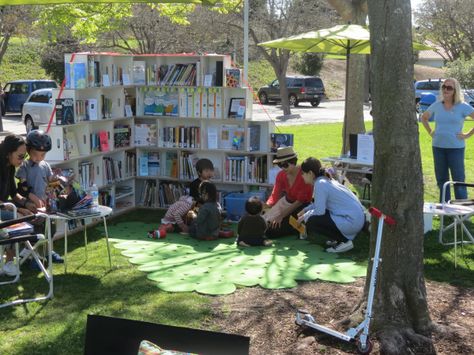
<point x="38" y="140"/>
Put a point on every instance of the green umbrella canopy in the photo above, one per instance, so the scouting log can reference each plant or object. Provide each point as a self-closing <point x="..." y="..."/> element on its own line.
<point x="340" y="39"/>
<point x="53" y="2"/>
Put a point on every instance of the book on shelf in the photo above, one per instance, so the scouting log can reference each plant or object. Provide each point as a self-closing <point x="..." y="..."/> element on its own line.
<point x="143" y="165"/>
<point x="92" y="109"/>
<point x="160" y="102"/>
<point x="231" y="137"/>
<point x="64" y="111"/>
<point x="208" y="80"/>
<point x="253" y="134"/>
<point x="122" y="136"/>
<point x="278" y="140"/>
<point x="237" y="108"/>
<point x="76" y="75"/>
<point x="138" y="72"/>
<point x="112" y="170"/>
<point x="212" y="137"/>
<point x="104" y="141"/>
<point x="130" y="163"/>
<point x="86" y="174"/>
<point x="71" y="149"/>
<point x="153" y="163"/>
<point x="145" y="134"/>
<point x="233" y="77"/>
<point x="171" y="164"/>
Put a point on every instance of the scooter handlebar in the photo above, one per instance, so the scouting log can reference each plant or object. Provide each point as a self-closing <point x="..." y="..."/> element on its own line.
<point x="377" y="213"/>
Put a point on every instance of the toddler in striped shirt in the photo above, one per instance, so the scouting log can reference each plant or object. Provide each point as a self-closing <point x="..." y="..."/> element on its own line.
<point x="176" y="214"/>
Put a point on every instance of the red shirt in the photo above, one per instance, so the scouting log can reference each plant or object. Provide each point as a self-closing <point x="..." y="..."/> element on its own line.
<point x="299" y="191"/>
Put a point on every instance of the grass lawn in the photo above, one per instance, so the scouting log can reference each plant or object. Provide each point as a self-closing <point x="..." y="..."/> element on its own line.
<point x="58" y="326"/>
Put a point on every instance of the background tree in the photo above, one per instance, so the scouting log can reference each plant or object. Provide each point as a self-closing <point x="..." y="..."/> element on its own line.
<point x="272" y="19"/>
<point x="309" y="63"/>
<point x="448" y="24"/>
<point x="401" y="317"/>
<point x="354" y="11"/>
<point x="463" y="70"/>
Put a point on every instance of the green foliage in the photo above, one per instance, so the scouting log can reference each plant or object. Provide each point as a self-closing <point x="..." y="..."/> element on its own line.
<point x="21" y="61"/>
<point x="308" y="63"/>
<point x="463" y="70"/>
<point x="260" y="73"/>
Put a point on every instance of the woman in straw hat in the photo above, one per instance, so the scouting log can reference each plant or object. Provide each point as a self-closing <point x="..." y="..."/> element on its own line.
<point x="289" y="196"/>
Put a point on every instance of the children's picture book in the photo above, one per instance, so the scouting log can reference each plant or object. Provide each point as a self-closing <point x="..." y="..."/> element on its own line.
<point x="278" y="140"/>
<point x="139" y="73"/>
<point x="64" y="111"/>
<point x="298" y="226"/>
<point x="254" y="137"/>
<point x="233" y="78"/>
<point x="237" y="108"/>
<point x="80" y="75"/>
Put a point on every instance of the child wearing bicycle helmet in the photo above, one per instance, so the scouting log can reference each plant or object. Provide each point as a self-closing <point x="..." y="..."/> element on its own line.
<point x="35" y="173"/>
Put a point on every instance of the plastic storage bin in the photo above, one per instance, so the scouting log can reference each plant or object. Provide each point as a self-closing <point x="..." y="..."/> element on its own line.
<point x="235" y="203"/>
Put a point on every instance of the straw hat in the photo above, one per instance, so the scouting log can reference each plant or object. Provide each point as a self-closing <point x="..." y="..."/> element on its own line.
<point x="283" y="154"/>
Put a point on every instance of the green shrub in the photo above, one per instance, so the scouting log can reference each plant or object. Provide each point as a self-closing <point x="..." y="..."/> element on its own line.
<point x="22" y="61"/>
<point x="463" y="70"/>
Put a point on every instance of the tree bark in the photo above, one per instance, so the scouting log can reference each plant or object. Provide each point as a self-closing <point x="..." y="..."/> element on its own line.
<point x="401" y="316"/>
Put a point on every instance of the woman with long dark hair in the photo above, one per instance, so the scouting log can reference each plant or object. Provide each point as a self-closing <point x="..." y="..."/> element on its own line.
<point x="12" y="154"/>
<point x="335" y="212"/>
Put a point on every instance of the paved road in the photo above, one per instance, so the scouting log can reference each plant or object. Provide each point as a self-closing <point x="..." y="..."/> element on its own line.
<point x="328" y="111"/>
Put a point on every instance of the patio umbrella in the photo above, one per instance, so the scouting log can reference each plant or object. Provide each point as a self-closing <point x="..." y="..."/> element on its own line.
<point x="340" y="40"/>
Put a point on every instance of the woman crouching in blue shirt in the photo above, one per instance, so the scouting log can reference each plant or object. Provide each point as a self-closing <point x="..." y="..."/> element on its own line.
<point x="449" y="113"/>
<point x="335" y="212"/>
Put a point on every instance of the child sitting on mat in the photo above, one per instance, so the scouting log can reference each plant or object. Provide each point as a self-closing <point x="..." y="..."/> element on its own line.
<point x="176" y="215"/>
<point x="205" y="171"/>
<point x="207" y="223"/>
<point x="251" y="228"/>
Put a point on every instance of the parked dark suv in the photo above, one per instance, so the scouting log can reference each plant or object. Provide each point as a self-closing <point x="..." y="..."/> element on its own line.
<point x="300" y="89"/>
<point x="16" y="92"/>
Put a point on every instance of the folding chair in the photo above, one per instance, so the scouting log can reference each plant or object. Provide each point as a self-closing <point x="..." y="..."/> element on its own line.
<point x="466" y="211"/>
<point x="27" y="240"/>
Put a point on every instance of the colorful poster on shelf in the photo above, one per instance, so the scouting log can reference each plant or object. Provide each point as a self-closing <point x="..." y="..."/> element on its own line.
<point x="233" y="78"/>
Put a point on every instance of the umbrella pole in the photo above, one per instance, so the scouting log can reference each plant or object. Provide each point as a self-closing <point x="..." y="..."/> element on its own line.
<point x="344" y="128"/>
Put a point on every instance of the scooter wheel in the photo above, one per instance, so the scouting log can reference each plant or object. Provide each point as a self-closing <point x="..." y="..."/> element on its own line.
<point x="364" y="350"/>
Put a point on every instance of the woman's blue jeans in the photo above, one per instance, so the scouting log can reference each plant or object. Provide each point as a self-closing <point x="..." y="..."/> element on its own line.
<point x="450" y="160"/>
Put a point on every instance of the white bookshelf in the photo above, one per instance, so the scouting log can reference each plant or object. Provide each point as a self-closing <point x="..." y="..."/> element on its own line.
<point x="187" y="120"/>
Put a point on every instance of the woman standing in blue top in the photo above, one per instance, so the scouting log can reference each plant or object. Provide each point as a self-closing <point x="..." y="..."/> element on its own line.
<point x="449" y="113"/>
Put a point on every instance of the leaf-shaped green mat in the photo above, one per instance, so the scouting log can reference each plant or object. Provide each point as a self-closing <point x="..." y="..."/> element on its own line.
<point x="179" y="263"/>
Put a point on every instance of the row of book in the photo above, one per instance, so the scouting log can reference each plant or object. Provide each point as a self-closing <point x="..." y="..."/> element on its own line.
<point x="99" y="141"/>
<point x="180" y="137"/>
<point x="130" y="164"/>
<point x="246" y="169"/>
<point x="70" y="111"/>
<point x="149" y="164"/>
<point x="86" y="174"/>
<point x="164" y="74"/>
<point x="112" y="170"/>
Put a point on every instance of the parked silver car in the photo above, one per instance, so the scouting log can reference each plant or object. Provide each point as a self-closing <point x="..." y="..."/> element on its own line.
<point x="37" y="108"/>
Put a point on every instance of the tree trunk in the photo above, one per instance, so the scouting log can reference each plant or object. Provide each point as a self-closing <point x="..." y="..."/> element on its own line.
<point x="401" y="316"/>
<point x="354" y="12"/>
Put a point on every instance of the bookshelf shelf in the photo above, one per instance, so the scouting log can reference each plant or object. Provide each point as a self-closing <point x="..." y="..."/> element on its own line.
<point x="140" y="122"/>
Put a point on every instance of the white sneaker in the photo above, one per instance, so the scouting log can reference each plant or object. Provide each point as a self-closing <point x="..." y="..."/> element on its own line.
<point x="303" y="236"/>
<point x="10" y="269"/>
<point x="341" y="247"/>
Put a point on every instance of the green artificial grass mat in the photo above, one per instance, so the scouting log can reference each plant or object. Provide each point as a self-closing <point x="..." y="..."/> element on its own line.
<point x="179" y="263"/>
